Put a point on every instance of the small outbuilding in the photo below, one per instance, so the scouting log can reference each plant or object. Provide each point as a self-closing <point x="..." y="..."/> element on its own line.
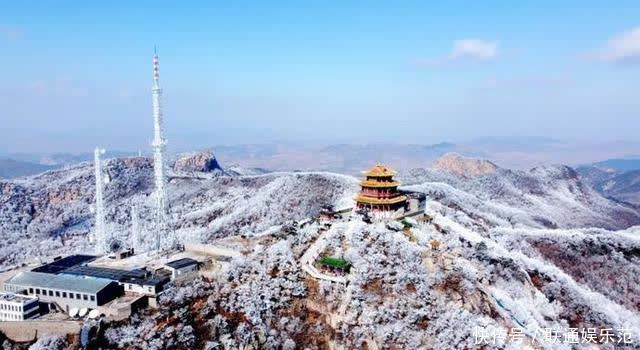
<point x="17" y="307"/>
<point x="182" y="269"/>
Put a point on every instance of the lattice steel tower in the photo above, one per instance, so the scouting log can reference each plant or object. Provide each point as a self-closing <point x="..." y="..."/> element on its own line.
<point x="99" y="234"/>
<point x="160" y="230"/>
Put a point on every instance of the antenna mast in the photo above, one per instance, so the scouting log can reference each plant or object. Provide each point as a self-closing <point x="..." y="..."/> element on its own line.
<point x="159" y="144"/>
<point x="99" y="235"/>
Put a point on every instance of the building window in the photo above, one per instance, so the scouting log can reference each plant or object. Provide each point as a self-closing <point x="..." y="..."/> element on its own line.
<point x="50" y="293"/>
<point x="38" y="291"/>
<point x="93" y="298"/>
<point x="84" y="296"/>
<point x="57" y="294"/>
<point x="78" y="296"/>
<point x="30" y="290"/>
<point x="64" y="294"/>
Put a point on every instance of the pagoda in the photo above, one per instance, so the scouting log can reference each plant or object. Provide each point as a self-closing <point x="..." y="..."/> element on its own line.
<point x="380" y="191"/>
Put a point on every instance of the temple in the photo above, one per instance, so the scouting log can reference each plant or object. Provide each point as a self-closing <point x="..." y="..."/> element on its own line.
<point x="380" y="191"/>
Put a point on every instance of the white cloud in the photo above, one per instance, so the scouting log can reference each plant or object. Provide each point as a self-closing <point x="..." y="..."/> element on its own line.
<point x="474" y="50"/>
<point x="623" y="48"/>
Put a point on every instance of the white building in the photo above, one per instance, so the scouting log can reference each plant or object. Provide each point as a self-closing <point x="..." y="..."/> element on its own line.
<point x="148" y="287"/>
<point x="16" y="307"/>
<point x="66" y="292"/>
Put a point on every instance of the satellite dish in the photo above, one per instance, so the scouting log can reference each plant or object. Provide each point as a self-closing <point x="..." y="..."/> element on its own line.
<point x="73" y="312"/>
<point x="83" y="312"/>
<point x="93" y="314"/>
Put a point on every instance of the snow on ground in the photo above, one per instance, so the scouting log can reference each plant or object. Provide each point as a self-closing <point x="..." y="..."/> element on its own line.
<point x="496" y="251"/>
<point x="54" y="209"/>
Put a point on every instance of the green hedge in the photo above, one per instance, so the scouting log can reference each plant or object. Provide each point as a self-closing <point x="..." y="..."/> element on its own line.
<point x="334" y="262"/>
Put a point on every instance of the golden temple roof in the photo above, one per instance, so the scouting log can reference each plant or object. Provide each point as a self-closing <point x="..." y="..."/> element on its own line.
<point x="380" y="170"/>
<point x="379" y="184"/>
<point x="394" y="200"/>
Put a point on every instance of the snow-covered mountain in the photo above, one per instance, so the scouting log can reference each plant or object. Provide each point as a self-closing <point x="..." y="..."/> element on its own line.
<point x="497" y="250"/>
<point x="619" y="179"/>
<point x="54" y="209"/>
<point x="547" y="196"/>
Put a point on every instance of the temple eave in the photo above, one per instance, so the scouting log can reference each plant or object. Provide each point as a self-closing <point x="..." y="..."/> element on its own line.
<point x="369" y="200"/>
<point x="367" y="183"/>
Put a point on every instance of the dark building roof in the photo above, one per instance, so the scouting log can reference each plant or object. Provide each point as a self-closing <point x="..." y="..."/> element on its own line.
<point x="180" y="263"/>
<point x="138" y="276"/>
<point x="62" y="264"/>
<point x="103" y="272"/>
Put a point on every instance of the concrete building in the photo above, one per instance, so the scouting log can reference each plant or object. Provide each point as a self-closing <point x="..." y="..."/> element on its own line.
<point x="149" y="286"/>
<point x="65" y="291"/>
<point x="16" y="307"/>
<point x="182" y="269"/>
<point x="134" y="282"/>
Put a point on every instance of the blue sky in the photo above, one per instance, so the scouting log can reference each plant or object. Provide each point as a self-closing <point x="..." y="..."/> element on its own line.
<point x="75" y="74"/>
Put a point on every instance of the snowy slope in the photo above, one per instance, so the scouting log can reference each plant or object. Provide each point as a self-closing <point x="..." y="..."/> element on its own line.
<point x="623" y="185"/>
<point x="55" y="208"/>
<point x="405" y="294"/>
<point x="497" y="251"/>
<point x="550" y="196"/>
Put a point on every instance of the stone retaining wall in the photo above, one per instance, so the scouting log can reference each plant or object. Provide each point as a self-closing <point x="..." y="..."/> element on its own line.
<point x="27" y="331"/>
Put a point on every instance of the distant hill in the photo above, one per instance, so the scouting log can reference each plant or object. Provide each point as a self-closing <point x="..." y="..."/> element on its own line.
<point x="14" y="165"/>
<point x="70" y="158"/>
<point x="342" y="158"/>
<point x="552" y="196"/>
<point x="619" y="164"/>
<point x="11" y="168"/>
<point x="61" y="159"/>
<point x="615" y="178"/>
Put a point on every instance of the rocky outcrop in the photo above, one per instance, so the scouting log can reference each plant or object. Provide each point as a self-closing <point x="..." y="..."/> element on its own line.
<point x="199" y="162"/>
<point x="464" y="167"/>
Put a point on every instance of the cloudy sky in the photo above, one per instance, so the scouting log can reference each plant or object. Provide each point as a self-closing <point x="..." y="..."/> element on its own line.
<point x="76" y="74"/>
